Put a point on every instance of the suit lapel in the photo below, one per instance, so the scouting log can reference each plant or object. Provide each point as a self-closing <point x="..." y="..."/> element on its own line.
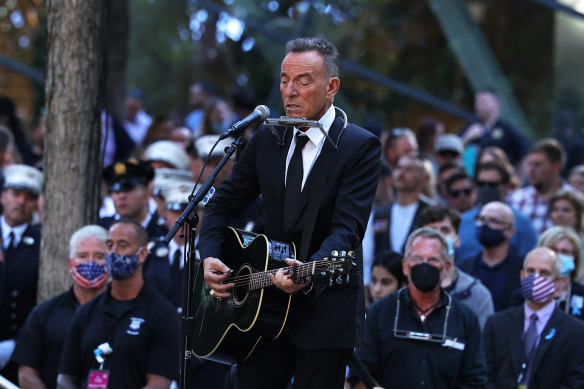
<point x="546" y="338"/>
<point x="280" y="165"/>
<point x="320" y="163"/>
<point x="514" y="338"/>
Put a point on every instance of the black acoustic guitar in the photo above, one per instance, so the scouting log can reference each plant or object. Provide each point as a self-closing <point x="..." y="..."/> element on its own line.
<point x="228" y="329"/>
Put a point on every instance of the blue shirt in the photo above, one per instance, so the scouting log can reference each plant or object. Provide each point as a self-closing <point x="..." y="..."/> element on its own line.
<point x="523" y="240"/>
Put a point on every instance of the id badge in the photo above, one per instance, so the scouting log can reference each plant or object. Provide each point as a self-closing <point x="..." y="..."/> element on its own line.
<point x="98" y="379"/>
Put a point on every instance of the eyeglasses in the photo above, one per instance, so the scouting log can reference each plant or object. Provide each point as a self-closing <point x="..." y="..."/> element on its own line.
<point x="431" y="260"/>
<point x="491" y="222"/>
<point x="492" y="184"/>
<point x="457" y="193"/>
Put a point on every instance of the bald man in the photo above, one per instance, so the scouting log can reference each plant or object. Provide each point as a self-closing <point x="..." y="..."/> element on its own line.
<point x="497" y="265"/>
<point x="535" y="345"/>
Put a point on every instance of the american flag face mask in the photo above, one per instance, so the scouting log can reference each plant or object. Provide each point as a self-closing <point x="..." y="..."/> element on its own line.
<point x="537" y="289"/>
<point x="91" y="275"/>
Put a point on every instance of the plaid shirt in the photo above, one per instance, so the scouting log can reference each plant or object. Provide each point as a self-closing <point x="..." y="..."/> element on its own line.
<point x="527" y="201"/>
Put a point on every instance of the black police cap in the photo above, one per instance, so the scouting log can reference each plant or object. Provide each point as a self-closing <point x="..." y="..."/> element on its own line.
<point x="124" y="176"/>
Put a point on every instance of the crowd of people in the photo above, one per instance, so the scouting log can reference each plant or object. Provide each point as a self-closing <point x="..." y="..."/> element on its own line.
<point x="468" y="241"/>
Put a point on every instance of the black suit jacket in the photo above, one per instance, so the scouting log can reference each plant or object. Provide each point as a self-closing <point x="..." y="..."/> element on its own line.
<point x="382" y="225"/>
<point x="558" y="362"/>
<point x="18" y="282"/>
<point x="328" y="317"/>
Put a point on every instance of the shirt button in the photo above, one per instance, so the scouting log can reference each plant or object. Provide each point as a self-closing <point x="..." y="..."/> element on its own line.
<point x="14" y="293"/>
<point x="13" y="316"/>
<point x="13" y="304"/>
<point x="13" y="327"/>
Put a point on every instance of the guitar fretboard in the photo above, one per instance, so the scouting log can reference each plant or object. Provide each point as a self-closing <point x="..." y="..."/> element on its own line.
<point x="261" y="280"/>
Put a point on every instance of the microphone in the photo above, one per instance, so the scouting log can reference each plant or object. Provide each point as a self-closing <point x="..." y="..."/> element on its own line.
<point x="259" y="114"/>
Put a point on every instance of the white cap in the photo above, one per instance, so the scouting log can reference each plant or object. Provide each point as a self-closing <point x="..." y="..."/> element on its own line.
<point x="204" y="143"/>
<point x="177" y="195"/>
<point x="164" y="177"/>
<point x="23" y="177"/>
<point x="169" y="152"/>
<point x="449" y="142"/>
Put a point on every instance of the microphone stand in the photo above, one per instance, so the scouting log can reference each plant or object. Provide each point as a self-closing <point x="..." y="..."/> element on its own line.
<point x="192" y="219"/>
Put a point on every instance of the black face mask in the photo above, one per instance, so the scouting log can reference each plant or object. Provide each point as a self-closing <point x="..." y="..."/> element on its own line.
<point x="425" y="277"/>
<point x="488" y="193"/>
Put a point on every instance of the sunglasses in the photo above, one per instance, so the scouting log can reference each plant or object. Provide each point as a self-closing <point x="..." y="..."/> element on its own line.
<point x="491" y="184"/>
<point x="457" y="193"/>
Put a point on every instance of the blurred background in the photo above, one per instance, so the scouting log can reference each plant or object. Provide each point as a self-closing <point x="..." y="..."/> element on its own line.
<point x="402" y="61"/>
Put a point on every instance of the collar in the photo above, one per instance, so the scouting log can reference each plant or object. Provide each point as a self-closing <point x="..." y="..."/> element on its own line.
<point x="140" y="301"/>
<point x="544" y="314"/>
<point x="407" y="298"/>
<point x="314" y="134"/>
<point x="172" y="247"/>
<point x="6" y="229"/>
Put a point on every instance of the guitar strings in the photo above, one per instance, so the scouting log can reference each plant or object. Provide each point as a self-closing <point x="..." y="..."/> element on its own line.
<point x="263" y="276"/>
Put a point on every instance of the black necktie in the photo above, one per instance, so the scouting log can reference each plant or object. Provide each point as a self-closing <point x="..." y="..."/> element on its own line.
<point x="294" y="181"/>
<point x="11" y="244"/>
<point x="176" y="258"/>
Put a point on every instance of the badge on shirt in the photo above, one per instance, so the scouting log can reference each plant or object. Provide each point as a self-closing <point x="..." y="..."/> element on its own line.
<point x="497" y="133"/>
<point x="453" y="343"/>
<point x="135" y="324"/>
<point x="98" y="379"/>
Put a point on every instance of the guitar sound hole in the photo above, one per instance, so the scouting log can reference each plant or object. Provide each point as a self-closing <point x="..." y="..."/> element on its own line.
<point x="241" y="291"/>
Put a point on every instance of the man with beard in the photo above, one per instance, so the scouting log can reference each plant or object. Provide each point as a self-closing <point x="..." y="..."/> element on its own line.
<point x="545" y="160"/>
<point x="40" y="342"/>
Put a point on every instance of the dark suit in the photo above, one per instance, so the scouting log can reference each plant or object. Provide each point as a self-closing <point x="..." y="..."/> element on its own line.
<point x="382" y="225"/>
<point x="558" y="362"/>
<point x="18" y="282"/>
<point x="18" y="288"/>
<point x="327" y="317"/>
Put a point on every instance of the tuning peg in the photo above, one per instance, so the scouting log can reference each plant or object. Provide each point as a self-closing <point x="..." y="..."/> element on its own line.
<point x="343" y="253"/>
<point x="351" y="254"/>
<point x="331" y="281"/>
<point x="334" y="253"/>
<point x="348" y="278"/>
<point x="339" y="280"/>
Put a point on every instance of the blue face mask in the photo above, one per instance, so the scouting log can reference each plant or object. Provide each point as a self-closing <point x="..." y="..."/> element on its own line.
<point x="450" y="242"/>
<point x="221" y="127"/>
<point x="567" y="264"/>
<point x="121" y="266"/>
<point x="489" y="237"/>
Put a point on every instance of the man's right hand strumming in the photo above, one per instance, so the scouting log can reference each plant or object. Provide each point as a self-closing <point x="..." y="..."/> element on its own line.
<point x="215" y="273"/>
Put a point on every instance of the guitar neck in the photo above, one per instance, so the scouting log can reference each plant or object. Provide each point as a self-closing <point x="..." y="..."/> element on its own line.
<point x="261" y="280"/>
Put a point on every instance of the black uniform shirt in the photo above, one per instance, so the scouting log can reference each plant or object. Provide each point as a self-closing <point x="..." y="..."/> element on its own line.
<point x="397" y="362"/>
<point x="41" y="339"/>
<point x="144" y="338"/>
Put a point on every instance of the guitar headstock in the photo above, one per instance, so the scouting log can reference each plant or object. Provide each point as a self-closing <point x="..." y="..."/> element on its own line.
<point x="339" y="264"/>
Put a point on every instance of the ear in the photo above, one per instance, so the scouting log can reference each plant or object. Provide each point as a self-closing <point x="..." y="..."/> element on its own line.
<point x="405" y="268"/>
<point x="456" y="242"/>
<point x="332" y="87"/>
<point x="447" y="267"/>
<point x="522" y="274"/>
<point x="142" y="254"/>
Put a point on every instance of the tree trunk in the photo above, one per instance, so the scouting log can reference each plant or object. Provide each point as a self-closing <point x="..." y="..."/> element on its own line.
<point x="117" y="48"/>
<point x="74" y="98"/>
